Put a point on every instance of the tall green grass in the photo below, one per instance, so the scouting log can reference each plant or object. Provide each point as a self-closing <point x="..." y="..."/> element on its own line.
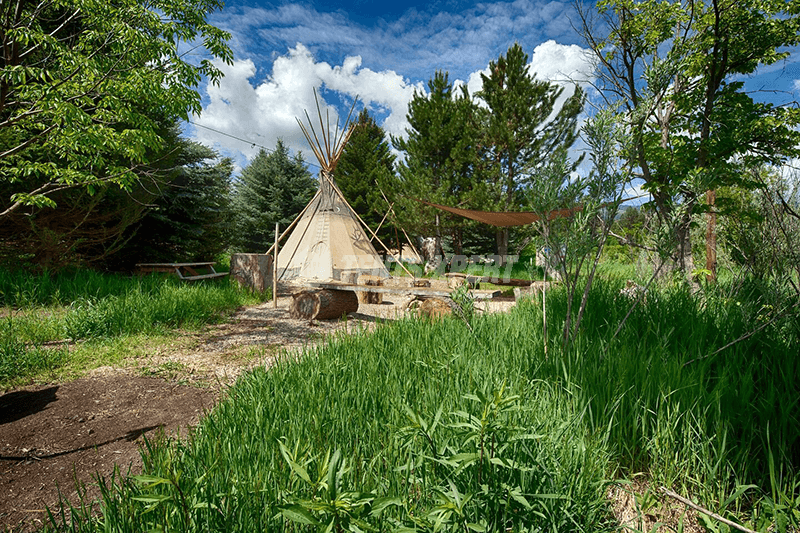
<point x="20" y="289"/>
<point x="696" y="418"/>
<point x="454" y="427"/>
<point x="48" y="313"/>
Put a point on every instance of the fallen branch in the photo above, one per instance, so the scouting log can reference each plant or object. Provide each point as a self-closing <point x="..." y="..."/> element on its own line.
<point x="696" y="507"/>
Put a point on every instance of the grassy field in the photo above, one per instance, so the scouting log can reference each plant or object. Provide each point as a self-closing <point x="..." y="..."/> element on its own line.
<point x="60" y="325"/>
<point x="456" y="426"/>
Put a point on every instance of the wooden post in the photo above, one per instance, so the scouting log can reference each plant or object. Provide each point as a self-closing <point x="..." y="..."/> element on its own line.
<point x="544" y="312"/>
<point x="275" y="270"/>
<point x="366" y="297"/>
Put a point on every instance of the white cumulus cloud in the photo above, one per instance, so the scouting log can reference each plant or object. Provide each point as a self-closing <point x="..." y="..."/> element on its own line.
<point x="566" y="65"/>
<point x="263" y="111"/>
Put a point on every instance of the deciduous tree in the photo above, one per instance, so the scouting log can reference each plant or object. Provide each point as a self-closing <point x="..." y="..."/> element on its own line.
<point x="675" y="68"/>
<point x="576" y="242"/>
<point x="92" y="227"/>
<point x="84" y="85"/>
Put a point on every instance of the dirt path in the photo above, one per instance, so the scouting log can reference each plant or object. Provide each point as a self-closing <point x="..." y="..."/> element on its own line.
<point x="52" y="435"/>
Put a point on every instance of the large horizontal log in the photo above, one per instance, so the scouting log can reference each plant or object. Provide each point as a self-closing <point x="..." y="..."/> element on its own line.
<point x="323" y="304"/>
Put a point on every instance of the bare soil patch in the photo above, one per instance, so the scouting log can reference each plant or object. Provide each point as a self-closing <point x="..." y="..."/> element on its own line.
<point x="53" y="435"/>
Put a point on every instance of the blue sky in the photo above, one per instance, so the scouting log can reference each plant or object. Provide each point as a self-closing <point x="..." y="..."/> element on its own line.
<point x="382" y="54"/>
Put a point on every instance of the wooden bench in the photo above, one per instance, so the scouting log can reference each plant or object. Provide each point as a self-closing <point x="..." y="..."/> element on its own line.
<point x="330" y="299"/>
<point x="184" y="271"/>
<point x="406" y="291"/>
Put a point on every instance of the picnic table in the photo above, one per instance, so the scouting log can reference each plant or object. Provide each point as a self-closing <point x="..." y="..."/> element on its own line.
<point x="184" y="271"/>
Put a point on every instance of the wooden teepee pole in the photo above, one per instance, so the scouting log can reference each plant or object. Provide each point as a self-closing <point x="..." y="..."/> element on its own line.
<point x="335" y="188"/>
<point x="294" y="222"/>
<point x="275" y="270"/>
<point x="394" y="214"/>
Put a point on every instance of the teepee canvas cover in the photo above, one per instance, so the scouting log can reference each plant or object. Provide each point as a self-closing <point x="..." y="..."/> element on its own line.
<point x="328" y="239"/>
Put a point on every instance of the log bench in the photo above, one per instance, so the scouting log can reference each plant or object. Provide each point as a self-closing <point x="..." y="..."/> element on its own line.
<point x="184" y="271"/>
<point x="330" y="299"/>
<point x="405" y="291"/>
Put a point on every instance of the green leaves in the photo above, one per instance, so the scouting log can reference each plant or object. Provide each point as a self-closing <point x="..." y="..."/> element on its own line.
<point x="519" y="134"/>
<point x="331" y="508"/>
<point x="675" y="70"/>
<point x="441" y="150"/>
<point x="498" y="467"/>
<point x="84" y="84"/>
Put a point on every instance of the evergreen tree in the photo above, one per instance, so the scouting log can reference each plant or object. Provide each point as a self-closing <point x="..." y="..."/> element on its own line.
<point x="517" y="131"/>
<point x="365" y="167"/>
<point x="272" y="188"/>
<point x="191" y="218"/>
<point x="440" y="159"/>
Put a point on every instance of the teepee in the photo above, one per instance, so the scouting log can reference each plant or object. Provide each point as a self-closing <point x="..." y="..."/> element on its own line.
<point x="329" y="241"/>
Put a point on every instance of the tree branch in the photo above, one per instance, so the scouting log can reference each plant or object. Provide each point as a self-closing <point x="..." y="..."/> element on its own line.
<point x="706" y="512"/>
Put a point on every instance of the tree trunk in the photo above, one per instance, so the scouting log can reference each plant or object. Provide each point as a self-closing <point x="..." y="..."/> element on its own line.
<point x="323" y="304"/>
<point x="685" y="261"/>
<point x="711" y="236"/>
<point x="458" y="241"/>
<point x="502" y="245"/>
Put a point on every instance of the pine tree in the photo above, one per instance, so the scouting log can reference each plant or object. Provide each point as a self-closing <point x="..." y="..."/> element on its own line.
<point x="440" y="159"/>
<point x="190" y="218"/>
<point x="364" y="169"/>
<point x="272" y="188"/>
<point x="517" y="132"/>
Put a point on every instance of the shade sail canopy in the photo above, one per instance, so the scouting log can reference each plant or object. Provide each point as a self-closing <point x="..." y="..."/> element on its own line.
<point x="505" y="219"/>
